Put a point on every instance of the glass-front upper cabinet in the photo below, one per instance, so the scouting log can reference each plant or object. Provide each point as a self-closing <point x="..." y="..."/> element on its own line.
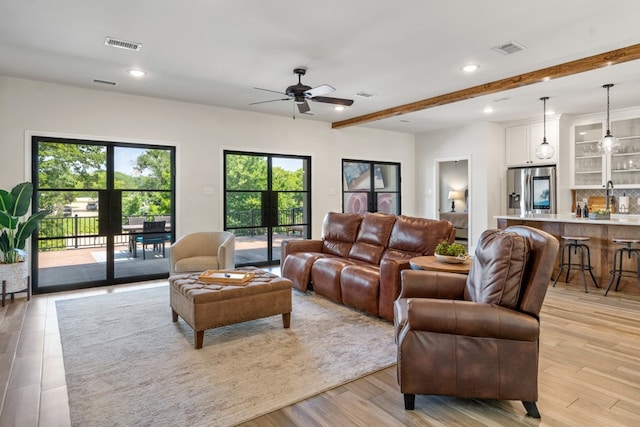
<point x="592" y="169"/>
<point x="625" y="163"/>
<point x="589" y="162"/>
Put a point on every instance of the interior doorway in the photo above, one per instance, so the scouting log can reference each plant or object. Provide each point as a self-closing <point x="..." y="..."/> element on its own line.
<point x="453" y="194"/>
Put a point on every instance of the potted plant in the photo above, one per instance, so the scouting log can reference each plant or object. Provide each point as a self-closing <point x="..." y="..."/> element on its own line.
<point x="453" y="253"/>
<point x="15" y="229"/>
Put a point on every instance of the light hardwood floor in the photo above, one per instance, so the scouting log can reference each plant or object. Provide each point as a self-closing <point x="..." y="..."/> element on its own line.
<point x="589" y="372"/>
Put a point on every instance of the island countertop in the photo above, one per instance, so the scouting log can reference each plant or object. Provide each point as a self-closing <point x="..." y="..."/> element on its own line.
<point x="602" y="247"/>
<point x="616" y="219"/>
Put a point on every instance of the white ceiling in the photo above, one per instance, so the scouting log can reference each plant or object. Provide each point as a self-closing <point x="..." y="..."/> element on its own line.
<point x="215" y="52"/>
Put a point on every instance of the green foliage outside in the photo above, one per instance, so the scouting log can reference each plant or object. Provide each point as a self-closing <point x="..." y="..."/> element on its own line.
<point x="70" y="172"/>
<point x="246" y="180"/>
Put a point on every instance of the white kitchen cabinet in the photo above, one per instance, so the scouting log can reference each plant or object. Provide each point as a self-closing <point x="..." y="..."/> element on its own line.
<point x="523" y="140"/>
<point x="592" y="169"/>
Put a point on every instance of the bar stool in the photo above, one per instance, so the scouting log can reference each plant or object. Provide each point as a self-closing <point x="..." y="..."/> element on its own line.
<point x="576" y="244"/>
<point x="617" y="257"/>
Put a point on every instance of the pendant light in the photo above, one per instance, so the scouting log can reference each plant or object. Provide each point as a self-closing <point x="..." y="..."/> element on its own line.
<point x="609" y="143"/>
<point x="544" y="150"/>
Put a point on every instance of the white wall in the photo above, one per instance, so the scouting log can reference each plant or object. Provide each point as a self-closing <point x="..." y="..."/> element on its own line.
<point x="201" y="133"/>
<point x="484" y="143"/>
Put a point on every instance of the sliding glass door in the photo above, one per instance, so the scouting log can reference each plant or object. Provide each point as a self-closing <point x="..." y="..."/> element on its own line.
<point x="266" y="199"/>
<point x="100" y="194"/>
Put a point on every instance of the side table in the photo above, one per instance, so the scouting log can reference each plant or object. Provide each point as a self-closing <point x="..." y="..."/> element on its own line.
<point x="432" y="264"/>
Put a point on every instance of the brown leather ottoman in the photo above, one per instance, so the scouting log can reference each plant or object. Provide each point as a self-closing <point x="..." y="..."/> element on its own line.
<point x="205" y="306"/>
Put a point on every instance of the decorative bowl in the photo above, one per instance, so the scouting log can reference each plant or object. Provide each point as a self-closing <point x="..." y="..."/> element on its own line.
<point x="448" y="259"/>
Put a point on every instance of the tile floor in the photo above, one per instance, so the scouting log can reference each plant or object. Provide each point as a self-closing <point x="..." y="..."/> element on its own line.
<point x="33" y="389"/>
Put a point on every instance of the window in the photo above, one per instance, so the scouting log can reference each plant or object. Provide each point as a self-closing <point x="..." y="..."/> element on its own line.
<point x="369" y="186"/>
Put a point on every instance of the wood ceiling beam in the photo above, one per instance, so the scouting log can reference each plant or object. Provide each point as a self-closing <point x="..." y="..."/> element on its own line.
<point x="618" y="56"/>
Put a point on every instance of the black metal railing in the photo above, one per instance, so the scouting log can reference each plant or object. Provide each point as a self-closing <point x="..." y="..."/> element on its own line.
<point x="58" y="232"/>
<point x="249" y="222"/>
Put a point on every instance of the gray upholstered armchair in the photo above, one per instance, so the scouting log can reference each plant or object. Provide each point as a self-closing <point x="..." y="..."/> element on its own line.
<point x="205" y="250"/>
<point x="477" y="336"/>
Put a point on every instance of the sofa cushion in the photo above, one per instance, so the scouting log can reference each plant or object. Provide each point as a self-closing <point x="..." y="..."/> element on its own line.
<point x="372" y="238"/>
<point x="339" y="231"/>
<point x="498" y="267"/>
<point x="196" y="263"/>
<point x="419" y="235"/>
<point x="359" y="285"/>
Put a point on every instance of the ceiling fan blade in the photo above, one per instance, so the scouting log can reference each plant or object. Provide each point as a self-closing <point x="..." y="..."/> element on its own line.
<point x="272" y="100"/>
<point x="317" y="91"/>
<point x="303" y="107"/>
<point x="269" y="90"/>
<point x="328" y="100"/>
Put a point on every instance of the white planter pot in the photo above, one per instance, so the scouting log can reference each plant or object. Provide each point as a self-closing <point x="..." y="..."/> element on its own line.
<point x="15" y="275"/>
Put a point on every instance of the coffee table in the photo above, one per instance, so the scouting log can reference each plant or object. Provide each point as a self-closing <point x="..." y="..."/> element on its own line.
<point x="210" y="305"/>
<point x="432" y="264"/>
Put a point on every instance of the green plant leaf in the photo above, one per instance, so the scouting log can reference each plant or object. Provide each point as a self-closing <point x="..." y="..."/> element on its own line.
<point x="21" y="199"/>
<point x="26" y="228"/>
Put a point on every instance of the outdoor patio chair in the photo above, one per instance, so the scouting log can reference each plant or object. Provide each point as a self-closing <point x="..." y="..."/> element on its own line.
<point x="153" y="233"/>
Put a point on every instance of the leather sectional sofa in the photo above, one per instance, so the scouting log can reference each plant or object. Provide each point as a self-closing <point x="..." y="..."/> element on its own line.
<point x="358" y="260"/>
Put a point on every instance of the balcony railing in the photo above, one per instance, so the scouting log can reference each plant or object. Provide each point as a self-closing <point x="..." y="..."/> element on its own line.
<point x="59" y="233"/>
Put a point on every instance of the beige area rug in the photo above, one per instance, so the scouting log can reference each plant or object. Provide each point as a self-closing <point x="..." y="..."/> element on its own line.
<point x="128" y="364"/>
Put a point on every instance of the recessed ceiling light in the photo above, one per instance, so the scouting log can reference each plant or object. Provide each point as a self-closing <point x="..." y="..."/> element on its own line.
<point x="137" y="73"/>
<point x="550" y="113"/>
<point x="339" y="107"/>
<point x="488" y="110"/>
<point x="470" y="68"/>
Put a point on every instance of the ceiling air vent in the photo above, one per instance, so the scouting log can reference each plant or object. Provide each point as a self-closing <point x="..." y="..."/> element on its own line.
<point x="122" y="44"/>
<point x="365" y="94"/>
<point x="509" y="48"/>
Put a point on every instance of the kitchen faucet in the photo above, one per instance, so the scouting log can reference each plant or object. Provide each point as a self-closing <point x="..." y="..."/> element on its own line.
<point x="609" y="187"/>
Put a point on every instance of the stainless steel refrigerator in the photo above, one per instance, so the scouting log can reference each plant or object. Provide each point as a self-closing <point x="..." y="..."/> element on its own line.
<point x="531" y="190"/>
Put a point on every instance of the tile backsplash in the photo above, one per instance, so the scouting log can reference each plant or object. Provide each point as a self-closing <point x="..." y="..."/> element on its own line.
<point x="634" y="194"/>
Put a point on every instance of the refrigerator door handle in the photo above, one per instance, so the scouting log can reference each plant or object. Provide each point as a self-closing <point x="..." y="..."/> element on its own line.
<point x="526" y="190"/>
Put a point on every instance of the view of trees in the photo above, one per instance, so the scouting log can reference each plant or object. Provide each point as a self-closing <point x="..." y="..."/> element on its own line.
<point x="71" y="174"/>
<point x="246" y="179"/>
<point x="67" y="172"/>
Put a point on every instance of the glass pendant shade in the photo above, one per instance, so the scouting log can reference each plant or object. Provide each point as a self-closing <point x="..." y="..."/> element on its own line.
<point x="608" y="144"/>
<point x="544" y="150"/>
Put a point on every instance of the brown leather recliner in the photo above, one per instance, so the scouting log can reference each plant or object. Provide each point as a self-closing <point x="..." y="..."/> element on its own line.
<point x="477" y="336"/>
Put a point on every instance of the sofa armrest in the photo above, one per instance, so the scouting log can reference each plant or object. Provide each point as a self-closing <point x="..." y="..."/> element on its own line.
<point x="390" y="269"/>
<point x="432" y="284"/>
<point x="470" y="319"/>
<point x="291" y="246"/>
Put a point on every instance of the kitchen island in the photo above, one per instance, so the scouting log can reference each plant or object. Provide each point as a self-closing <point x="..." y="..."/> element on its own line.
<point x="601" y="232"/>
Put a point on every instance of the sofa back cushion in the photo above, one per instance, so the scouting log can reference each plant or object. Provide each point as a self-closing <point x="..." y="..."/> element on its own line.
<point x="419" y="236"/>
<point x="498" y="268"/>
<point x="339" y="231"/>
<point x="373" y="237"/>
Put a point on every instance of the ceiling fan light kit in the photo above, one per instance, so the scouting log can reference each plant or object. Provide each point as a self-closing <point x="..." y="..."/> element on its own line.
<point x="301" y="93"/>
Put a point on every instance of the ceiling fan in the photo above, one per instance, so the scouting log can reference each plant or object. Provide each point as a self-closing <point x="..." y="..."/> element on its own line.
<point x="300" y="93"/>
